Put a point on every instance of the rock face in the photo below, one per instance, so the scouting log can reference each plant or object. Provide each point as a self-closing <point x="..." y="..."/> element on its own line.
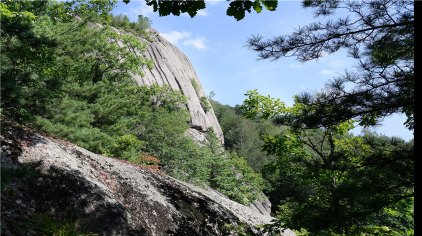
<point x="173" y="68"/>
<point x="107" y="196"/>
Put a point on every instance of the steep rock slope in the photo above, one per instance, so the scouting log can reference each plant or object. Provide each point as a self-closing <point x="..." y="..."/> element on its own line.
<point x="173" y="68"/>
<point x="107" y="196"/>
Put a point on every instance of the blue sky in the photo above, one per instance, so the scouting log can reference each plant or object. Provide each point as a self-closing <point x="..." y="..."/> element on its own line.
<point x="215" y="44"/>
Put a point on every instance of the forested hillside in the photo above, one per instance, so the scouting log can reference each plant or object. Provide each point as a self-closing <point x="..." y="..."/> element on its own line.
<point x="66" y="71"/>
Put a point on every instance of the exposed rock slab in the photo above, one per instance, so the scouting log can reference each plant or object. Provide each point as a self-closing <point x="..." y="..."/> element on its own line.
<point x="173" y="68"/>
<point x="109" y="196"/>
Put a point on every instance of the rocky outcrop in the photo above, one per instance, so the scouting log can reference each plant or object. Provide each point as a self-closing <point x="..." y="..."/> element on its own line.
<point x="262" y="205"/>
<point x="173" y="68"/>
<point x="106" y="196"/>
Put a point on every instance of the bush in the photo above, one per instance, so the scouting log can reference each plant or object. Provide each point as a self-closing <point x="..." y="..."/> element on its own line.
<point x="235" y="178"/>
<point x="43" y="224"/>
<point x="205" y="104"/>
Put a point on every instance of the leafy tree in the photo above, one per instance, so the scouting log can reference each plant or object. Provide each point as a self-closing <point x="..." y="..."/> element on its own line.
<point x="346" y="195"/>
<point x="237" y="8"/>
<point x="231" y="174"/>
<point x="30" y="49"/>
<point x="24" y="56"/>
<point x="329" y="181"/>
<point x="242" y="135"/>
<point x="346" y="184"/>
<point x="235" y="178"/>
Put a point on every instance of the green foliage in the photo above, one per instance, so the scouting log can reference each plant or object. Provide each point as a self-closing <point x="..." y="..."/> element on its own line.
<point x="205" y="104"/>
<point x="237" y="8"/>
<point x="90" y="138"/>
<point x="329" y="182"/>
<point x="341" y="187"/>
<point x="108" y="118"/>
<point x="164" y="97"/>
<point x="24" y="55"/>
<point x="244" y="136"/>
<point x="203" y="100"/>
<point x="181" y="157"/>
<point x="195" y="86"/>
<point x="382" y="84"/>
<point x="346" y="184"/>
<point x="231" y="174"/>
<point x="207" y="165"/>
<point x="137" y="28"/>
<point x="42" y="224"/>
<point x="72" y="78"/>
<point x="43" y="46"/>
<point x="236" y="229"/>
<point x="285" y="176"/>
<point x="165" y="8"/>
<point x="127" y="146"/>
<point x="258" y="106"/>
<point x="234" y="178"/>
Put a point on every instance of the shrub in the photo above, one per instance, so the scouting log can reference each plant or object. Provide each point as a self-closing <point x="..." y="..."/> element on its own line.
<point x="205" y="104"/>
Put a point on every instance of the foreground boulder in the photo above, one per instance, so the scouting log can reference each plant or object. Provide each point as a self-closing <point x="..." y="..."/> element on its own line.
<point x="46" y="177"/>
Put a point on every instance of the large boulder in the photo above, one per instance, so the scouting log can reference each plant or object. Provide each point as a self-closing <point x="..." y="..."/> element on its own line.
<point x="106" y="196"/>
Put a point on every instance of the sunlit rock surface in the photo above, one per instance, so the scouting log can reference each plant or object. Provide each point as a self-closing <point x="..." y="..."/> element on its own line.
<point x="173" y="68"/>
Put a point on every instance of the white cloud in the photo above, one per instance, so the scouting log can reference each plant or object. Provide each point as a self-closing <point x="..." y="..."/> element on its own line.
<point x="141" y="8"/>
<point x="197" y="43"/>
<point x="175" y="36"/>
<point x="296" y="66"/>
<point x="327" y="72"/>
<point x="185" y="38"/>
<point x="202" y="13"/>
<point x="213" y="2"/>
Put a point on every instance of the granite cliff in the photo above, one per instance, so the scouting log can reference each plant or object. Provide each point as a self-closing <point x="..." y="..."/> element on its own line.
<point x="173" y="68"/>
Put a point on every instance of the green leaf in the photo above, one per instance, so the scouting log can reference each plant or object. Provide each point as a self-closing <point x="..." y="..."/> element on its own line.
<point x="237" y="9"/>
<point x="270" y="5"/>
<point x="257" y="6"/>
